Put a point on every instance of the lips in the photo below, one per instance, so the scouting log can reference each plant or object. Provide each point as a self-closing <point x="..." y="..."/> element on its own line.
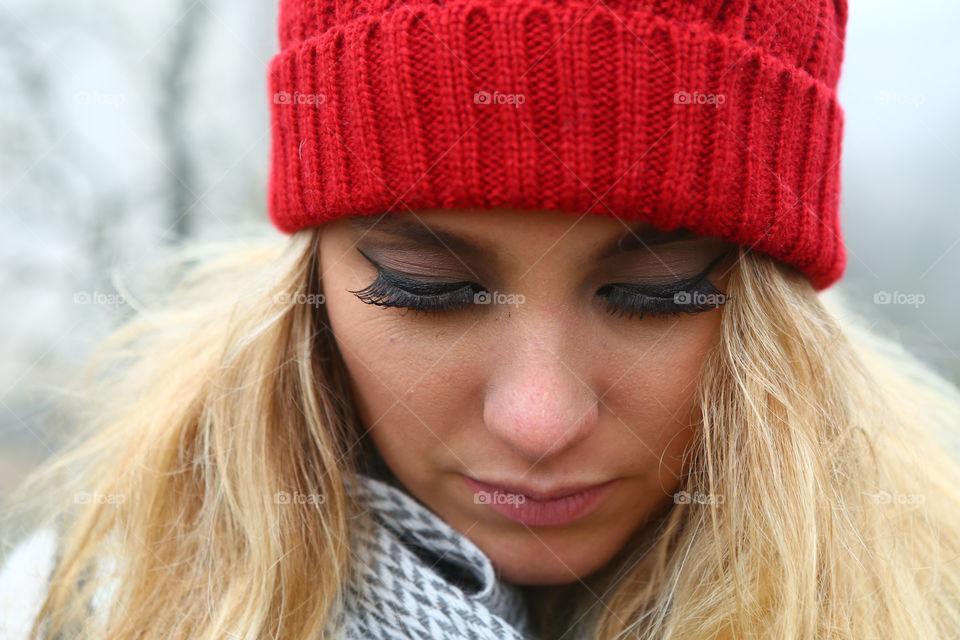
<point x="556" y="506"/>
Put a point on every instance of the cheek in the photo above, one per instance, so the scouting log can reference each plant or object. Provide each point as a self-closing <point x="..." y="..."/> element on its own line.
<point x="410" y="379"/>
<point x="654" y="402"/>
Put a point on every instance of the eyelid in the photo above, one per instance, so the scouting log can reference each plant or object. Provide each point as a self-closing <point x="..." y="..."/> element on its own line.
<point x="670" y="287"/>
<point x="399" y="276"/>
<point x="652" y="289"/>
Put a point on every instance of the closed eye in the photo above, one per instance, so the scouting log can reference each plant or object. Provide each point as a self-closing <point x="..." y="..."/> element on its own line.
<point x="690" y="295"/>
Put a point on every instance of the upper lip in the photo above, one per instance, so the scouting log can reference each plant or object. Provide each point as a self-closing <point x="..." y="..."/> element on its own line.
<point x="551" y="493"/>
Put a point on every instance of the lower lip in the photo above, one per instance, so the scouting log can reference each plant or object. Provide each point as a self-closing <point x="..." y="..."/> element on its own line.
<point x="541" y="513"/>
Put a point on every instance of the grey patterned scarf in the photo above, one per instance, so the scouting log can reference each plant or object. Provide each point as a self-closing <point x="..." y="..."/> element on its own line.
<point x="417" y="577"/>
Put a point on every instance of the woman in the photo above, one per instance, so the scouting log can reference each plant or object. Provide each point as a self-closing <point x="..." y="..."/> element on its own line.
<point x="544" y="356"/>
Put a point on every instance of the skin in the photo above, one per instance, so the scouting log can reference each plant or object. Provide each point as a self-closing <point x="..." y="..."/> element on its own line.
<point x="553" y="391"/>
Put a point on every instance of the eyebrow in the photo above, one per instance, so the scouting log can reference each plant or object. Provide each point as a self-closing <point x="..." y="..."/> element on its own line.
<point x="637" y="238"/>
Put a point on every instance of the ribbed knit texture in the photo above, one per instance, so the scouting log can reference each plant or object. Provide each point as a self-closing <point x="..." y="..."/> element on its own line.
<point x="374" y="108"/>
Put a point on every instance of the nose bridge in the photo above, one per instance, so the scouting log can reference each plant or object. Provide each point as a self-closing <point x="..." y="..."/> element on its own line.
<point x="540" y="403"/>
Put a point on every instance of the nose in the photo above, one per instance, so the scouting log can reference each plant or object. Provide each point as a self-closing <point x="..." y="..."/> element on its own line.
<point x="538" y="404"/>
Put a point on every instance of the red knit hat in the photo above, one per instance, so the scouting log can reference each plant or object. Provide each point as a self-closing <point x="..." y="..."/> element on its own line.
<point x="716" y="115"/>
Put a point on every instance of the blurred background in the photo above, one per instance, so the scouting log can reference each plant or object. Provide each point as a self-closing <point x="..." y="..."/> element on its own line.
<point x="127" y="127"/>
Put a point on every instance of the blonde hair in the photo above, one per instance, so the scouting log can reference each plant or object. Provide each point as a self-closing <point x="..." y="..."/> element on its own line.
<point x="825" y="501"/>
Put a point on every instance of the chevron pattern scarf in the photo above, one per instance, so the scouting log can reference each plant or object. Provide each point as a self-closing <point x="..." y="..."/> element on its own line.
<point x="417" y="577"/>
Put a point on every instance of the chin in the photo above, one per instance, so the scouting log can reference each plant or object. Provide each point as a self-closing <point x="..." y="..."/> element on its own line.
<point x="534" y="561"/>
<point x="533" y="576"/>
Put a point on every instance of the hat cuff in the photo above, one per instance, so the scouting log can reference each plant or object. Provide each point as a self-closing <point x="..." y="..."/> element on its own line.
<point x="575" y="109"/>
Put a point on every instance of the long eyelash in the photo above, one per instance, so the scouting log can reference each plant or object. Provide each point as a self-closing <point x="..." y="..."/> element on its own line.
<point x="660" y="300"/>
<point x="621" y="300"/>
<point x="395" y="290"/>
<point x="431" y="298"/>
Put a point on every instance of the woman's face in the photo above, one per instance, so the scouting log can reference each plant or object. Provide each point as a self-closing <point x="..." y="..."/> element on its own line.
<point x="521" y="378"/>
